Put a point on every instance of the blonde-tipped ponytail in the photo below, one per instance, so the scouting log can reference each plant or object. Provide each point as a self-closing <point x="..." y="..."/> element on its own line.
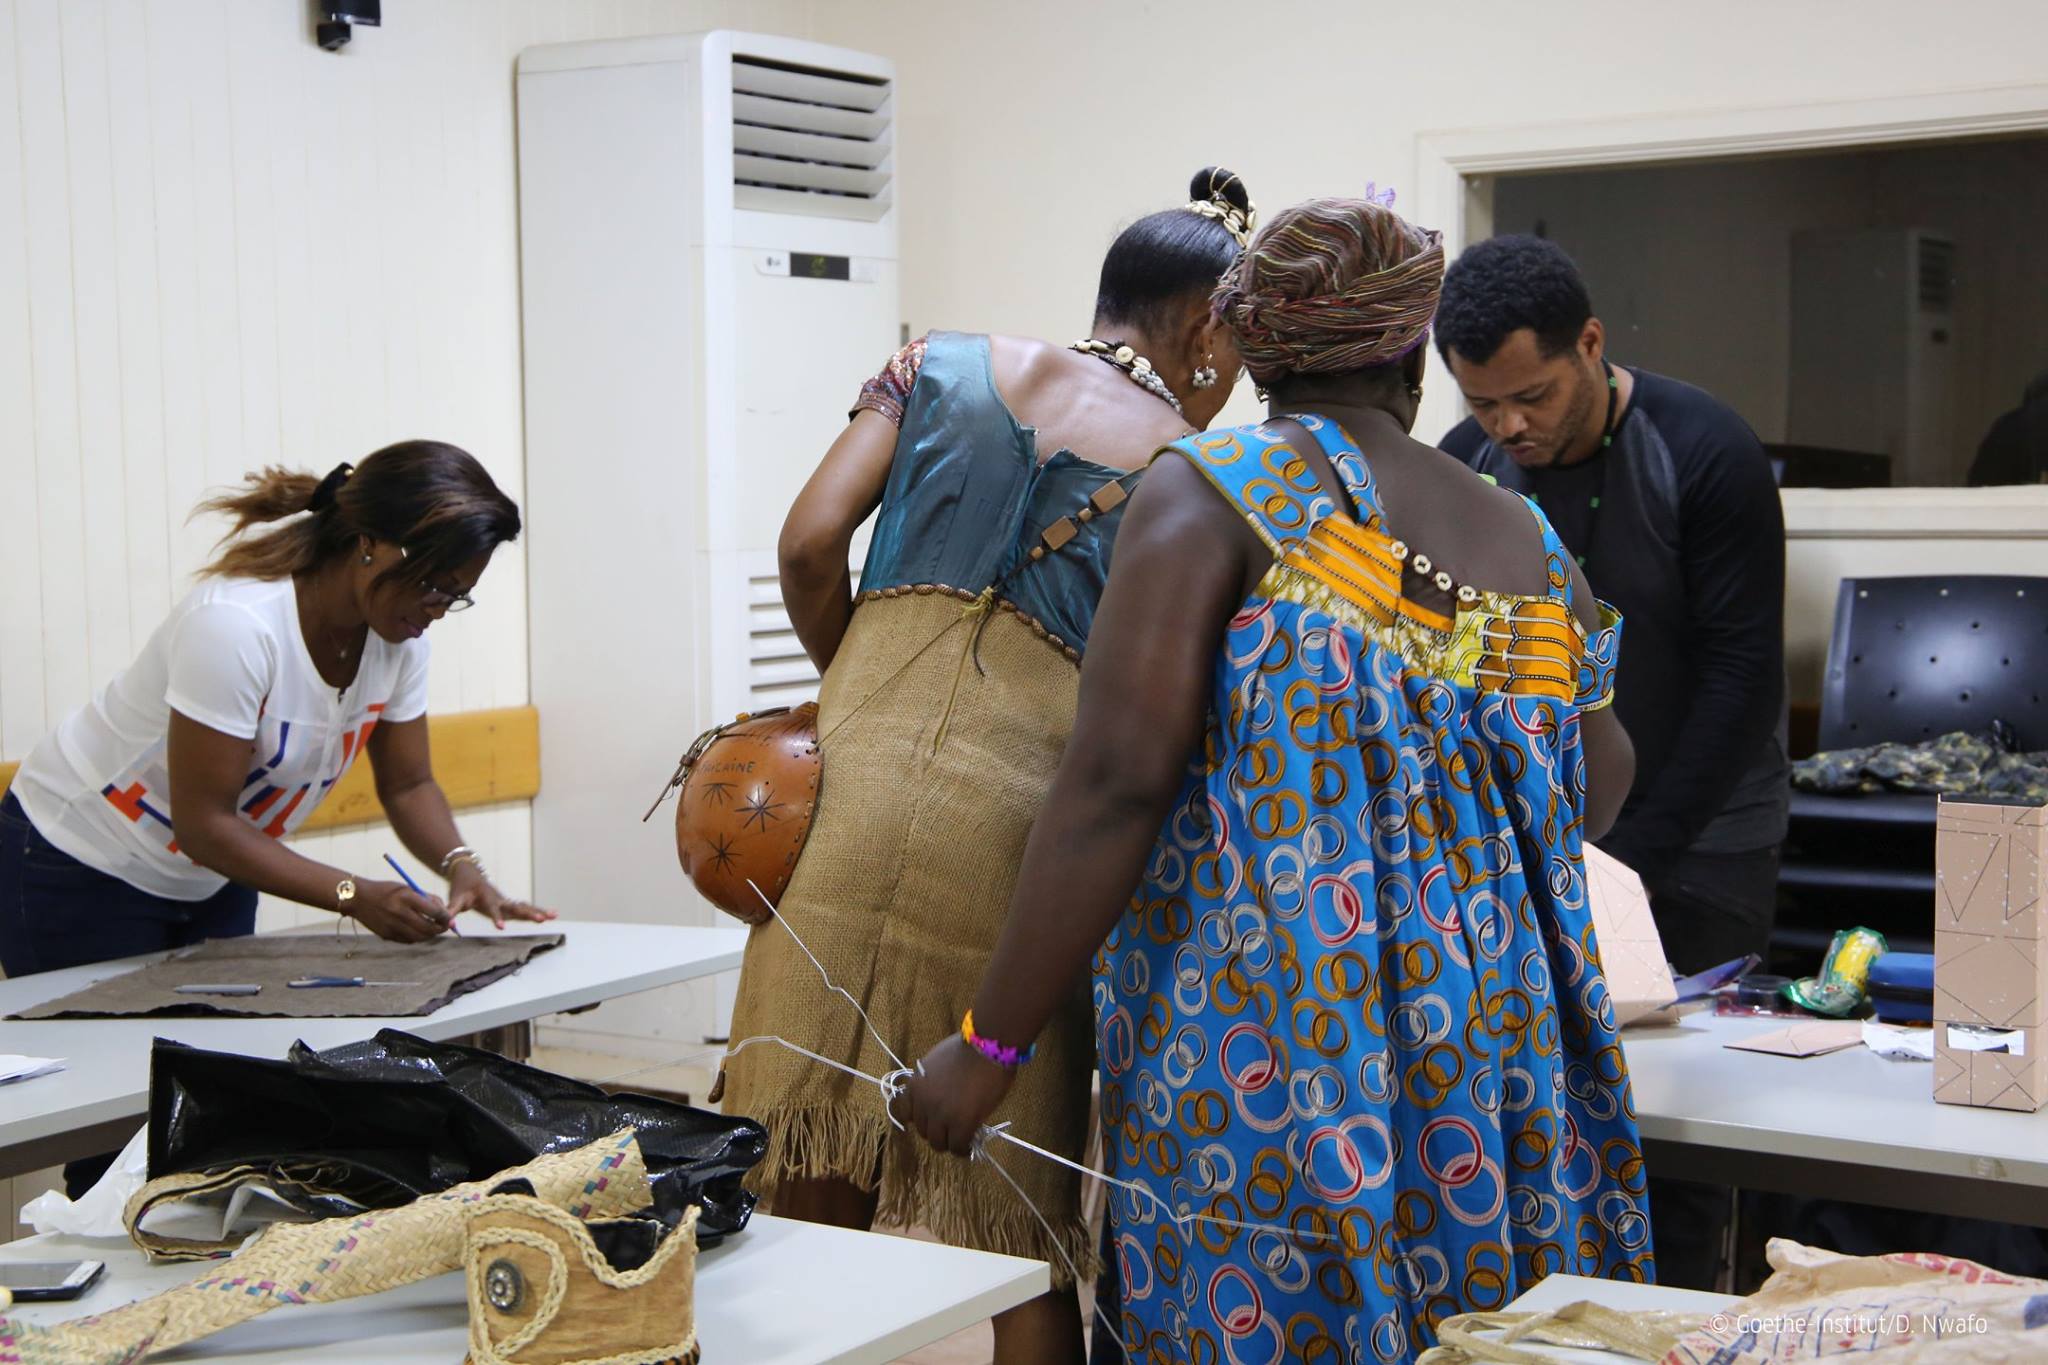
<point x="431" y="498"/>
<point x="271" y="494"/>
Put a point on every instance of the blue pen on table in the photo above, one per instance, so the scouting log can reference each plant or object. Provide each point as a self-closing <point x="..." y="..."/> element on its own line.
<point x="418" y="890"/>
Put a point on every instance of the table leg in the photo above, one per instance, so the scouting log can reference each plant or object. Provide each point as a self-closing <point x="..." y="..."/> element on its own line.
<point x="512" y="1041"/>
<point x="1731" y="1238"/>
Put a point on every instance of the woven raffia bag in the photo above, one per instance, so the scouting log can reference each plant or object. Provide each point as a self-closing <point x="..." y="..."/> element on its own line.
<point x="1912" y="1308"/>
<point x="336" y="1258"/>
<point x="549" y="1289"/>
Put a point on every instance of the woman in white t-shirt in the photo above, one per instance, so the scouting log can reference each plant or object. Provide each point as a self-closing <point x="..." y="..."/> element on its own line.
<point x="152" y="816"/>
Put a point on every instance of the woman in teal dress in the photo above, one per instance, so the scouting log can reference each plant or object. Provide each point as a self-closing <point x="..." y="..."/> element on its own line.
<point x="1354" y="1043"/>
<point x="996" y="470"/>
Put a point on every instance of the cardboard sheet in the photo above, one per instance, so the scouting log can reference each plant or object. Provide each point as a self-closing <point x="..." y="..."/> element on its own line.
<point x="1631" y="952"/>
<point x="1807" y="1038"/>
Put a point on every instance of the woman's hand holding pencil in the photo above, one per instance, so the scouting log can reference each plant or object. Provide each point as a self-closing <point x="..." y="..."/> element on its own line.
<point x="470" y="889"/>
<point x="398" y="911"/>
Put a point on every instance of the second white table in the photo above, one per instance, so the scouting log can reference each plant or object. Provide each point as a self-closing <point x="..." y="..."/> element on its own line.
<point x="779" y="1293"/>
<point x="1849" y="1125"/>
<point x="1559" y="1290"/>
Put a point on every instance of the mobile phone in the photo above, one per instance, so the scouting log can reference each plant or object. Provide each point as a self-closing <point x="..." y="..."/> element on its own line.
<point x="29" y="1281"/>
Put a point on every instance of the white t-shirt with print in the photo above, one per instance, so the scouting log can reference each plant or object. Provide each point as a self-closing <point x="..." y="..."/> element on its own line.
<point x="231" y="657"/>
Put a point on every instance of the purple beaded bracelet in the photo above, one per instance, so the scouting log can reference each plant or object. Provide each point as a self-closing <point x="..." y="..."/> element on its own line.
<point x="1001" y="1054"/>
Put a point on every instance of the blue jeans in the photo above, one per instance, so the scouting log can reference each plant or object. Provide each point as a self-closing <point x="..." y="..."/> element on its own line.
<point x="57" y="912"/>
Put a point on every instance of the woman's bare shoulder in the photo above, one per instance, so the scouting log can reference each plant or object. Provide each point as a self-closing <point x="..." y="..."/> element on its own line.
<point x="1487" y="500"/>
<point x="1023" y="361"/>
<point x="1088" y="405"/>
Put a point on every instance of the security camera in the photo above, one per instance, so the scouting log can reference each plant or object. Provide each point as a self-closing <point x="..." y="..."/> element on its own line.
<point x="333" y="20"/>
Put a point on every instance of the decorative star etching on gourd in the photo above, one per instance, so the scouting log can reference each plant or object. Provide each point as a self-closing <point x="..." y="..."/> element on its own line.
<point x="760" y="807"/>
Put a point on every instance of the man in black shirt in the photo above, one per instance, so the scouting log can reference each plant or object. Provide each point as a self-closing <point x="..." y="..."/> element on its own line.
<point x="1666" y="498"/>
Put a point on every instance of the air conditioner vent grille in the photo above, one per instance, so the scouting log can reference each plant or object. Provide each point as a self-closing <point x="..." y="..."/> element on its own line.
<point x="779" y="673"/>
<point x="810" y="140"/>
<point x="1937" y="270"/>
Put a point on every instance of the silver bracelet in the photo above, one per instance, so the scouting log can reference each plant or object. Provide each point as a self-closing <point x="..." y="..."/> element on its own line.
<point x="461" y="853"/>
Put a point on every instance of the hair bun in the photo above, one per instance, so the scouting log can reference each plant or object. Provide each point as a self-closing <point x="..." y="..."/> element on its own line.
<point x="1219" y="194"/>
<point x="1215" y="184"/>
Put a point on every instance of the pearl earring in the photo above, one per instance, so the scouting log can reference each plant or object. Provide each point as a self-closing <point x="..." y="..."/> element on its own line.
<point x="1415" y="392"/>
<point x="366" y="559"/>
<point x="1205" y="376"/>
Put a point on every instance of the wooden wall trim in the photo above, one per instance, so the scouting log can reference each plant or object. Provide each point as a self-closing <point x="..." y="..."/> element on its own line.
<point x="481" y="758"/>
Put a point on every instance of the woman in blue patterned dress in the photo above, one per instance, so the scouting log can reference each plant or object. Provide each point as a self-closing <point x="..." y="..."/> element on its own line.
<point x="1355" y="1046"/>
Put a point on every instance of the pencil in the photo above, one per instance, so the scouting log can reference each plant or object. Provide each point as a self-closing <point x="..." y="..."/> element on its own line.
<point x="417" y="890"/>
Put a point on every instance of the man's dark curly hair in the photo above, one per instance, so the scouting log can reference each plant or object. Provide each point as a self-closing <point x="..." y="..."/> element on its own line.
<point x="1504" y="284"/>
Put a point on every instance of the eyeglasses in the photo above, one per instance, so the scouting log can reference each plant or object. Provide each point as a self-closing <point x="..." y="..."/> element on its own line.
<point x="434" y="599"/>
<point x="440" y="599"/>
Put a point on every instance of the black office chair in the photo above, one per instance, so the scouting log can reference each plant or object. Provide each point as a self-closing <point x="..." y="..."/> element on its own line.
<point x="1913" y="658"/>
<point x="1910" y="659"/>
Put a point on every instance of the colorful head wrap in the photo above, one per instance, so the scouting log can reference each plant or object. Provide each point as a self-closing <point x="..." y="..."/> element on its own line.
<point x="1330" y="286"/>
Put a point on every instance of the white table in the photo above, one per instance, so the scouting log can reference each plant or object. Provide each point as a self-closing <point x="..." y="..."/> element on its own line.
<point x="1559" y="1290"/>
<point x="96" y="1103"/>
<point x="1848" y="1125"/>
<point x="779" y="1293"/>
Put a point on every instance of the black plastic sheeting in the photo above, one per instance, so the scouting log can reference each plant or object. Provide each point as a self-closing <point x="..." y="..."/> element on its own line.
<point x="382" y="1122"/>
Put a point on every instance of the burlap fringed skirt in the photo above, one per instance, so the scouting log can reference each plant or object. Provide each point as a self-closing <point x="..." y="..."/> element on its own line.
<point x="933" y="774"/>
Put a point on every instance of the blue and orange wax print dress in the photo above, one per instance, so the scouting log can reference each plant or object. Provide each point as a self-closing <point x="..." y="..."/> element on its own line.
<point x="1357" y="995"/>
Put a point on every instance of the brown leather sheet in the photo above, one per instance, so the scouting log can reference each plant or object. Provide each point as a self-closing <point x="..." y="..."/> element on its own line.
<point x="431" y="974"/>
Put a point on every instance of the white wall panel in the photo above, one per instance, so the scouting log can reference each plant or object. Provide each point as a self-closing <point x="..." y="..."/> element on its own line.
<point x="132" y="173"/>
<point x="96" y="339"/>
<point x="46" y="208"/>
<point x="200" y="45"/>
<point x="180" y="303"/>
<point x="21" y="605"/>
<point x="256" y="116"/>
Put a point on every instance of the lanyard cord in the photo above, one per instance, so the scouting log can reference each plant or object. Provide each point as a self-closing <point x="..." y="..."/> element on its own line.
<point x="1606" y="443"/>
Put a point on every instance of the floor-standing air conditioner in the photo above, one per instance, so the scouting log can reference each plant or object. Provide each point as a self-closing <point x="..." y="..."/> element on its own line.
<point x="708" y="261"/>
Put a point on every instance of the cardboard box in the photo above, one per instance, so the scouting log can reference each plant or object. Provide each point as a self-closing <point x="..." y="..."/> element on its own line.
<point x="1631" y="951"/>
<point x="1988" y="1069"/>
<point x="1987" y="867"/>
<point x="1990" y="980"/>
<point x="1990" y="920"/>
